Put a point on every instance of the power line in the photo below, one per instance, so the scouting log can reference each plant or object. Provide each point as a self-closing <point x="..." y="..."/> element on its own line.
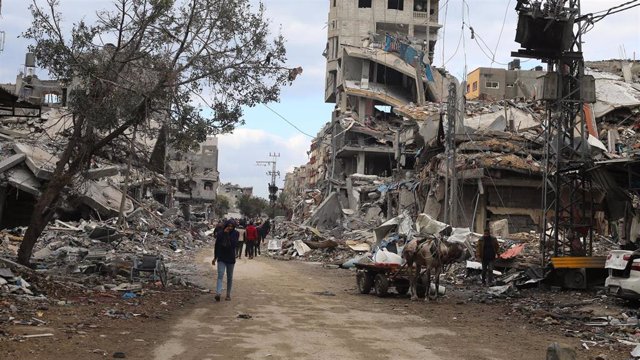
<point x="504" y="20"/>
<point x="289" y="122"/>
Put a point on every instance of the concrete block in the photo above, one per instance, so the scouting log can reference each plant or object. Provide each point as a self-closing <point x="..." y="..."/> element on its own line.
<point x="11" y="161"/>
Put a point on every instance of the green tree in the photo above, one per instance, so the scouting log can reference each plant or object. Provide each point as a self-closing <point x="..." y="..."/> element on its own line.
<point x="252" y="206"/>
<point x="221" y="206"/>
<point x="189" y="64"/>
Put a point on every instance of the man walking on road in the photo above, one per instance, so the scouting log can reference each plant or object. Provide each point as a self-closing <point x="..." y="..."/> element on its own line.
<point x="252" y="239"/>
<point x="224" y="254"/>
<point x="487" y="251"/>
<point x="263" y="231"/>
<point x="242" y="236"/>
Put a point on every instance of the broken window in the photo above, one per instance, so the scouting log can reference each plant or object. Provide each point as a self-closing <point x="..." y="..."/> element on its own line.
<point x="364" y="3"/>
<point x="468" y="88"/>
<point x="475" y="85"/>
<point x="395" y="4"/>
<point x="492" y="85"/>
<point x="208" y="185"/>
<point x="334" y="3"/>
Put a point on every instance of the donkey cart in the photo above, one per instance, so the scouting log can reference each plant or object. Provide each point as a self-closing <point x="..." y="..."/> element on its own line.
<point x="381" y="277"/>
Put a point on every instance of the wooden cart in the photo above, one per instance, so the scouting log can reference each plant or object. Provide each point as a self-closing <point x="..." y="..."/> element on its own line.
<point x="381" y="277"/>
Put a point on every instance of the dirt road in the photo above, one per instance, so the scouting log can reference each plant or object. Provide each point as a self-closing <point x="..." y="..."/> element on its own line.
<point x="302" y="311"/>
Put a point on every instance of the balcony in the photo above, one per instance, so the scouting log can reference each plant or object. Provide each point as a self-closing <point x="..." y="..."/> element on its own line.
<point x="423" y="15"/>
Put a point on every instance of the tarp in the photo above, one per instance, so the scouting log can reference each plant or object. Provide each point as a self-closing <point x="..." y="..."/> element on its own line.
<point x="513" y="252"/>
<point x="409" y="54"/>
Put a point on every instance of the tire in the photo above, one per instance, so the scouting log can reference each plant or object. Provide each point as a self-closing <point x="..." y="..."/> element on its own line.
<point x="381" y="285"/>
<point x="365" y="282"/>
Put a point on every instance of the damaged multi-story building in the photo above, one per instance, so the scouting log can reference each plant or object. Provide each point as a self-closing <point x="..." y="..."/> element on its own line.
<point x="194" y="174"/>
<point x="386" y="148"/>
<point x="378" y="58"/>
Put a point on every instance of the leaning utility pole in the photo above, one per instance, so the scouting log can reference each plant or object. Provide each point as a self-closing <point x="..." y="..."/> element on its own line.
<point x="273" y="188"/>
<point x="552" y="32"/>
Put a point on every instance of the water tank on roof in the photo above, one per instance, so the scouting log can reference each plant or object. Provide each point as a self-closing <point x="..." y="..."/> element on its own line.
<point x="30" y="60"/>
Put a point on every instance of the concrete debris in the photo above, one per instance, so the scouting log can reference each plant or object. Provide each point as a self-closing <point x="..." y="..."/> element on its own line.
<point x="557" y="351"/>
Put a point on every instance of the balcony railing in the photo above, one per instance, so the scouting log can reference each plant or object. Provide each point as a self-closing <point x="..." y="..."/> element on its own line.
<point x="425" y="15"/>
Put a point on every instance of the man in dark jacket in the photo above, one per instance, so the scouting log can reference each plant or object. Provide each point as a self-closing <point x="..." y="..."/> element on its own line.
<point x="225" y="255"/>
<point x="487" y="251"/>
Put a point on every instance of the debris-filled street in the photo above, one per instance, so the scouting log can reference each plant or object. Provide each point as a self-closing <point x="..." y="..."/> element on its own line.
<point x="292" y="309"/>
<point x="438" y="185"/>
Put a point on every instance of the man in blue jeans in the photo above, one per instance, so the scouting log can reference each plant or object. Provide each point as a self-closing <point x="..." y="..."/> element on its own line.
<point x="224" y="254"/>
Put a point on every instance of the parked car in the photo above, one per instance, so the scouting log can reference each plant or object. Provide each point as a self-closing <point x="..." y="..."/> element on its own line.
<point x="624" y="274"/>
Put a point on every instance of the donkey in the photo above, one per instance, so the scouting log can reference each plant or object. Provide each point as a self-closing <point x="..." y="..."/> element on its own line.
<point x="433" y="254"/>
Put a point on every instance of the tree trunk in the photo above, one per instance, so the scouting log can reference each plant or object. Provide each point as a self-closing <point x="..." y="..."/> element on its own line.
<point x="42" y="213"/>
<point x="45" y="207"/>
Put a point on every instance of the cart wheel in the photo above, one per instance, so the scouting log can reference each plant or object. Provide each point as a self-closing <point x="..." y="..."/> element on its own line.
<point x="381" y="284"/>
<point x="365" y="282"/>
<point x="402" y="289"/>
<point x="162" y="272"/>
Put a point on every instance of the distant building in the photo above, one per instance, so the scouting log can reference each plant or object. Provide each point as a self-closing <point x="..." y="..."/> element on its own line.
<point x="233" y="192"/>
<point x="195" y="174"/>
<point x="498" y="84"/>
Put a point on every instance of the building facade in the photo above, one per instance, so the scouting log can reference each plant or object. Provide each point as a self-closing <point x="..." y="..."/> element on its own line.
<point x="195" y="174"/>
<point x="498" y="84"/>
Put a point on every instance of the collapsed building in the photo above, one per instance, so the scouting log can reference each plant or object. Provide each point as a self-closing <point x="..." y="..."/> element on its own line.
<point x="384" y="151"/>
<point x="34" y="124"/>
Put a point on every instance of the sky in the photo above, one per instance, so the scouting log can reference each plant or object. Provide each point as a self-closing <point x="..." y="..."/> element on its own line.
<point x="303" y="24"/>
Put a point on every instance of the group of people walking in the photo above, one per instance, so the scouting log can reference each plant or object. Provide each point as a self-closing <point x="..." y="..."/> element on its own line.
<point x="252" y="237"/>
<point x="231" y="236"/>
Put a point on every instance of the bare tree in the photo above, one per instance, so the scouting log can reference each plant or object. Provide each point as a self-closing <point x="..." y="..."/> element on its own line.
<point x="192" y="63"/>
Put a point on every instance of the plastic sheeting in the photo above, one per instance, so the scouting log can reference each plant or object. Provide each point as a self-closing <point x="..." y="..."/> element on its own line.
<point x="384" y="256"/>
<point x="426" y="225"/>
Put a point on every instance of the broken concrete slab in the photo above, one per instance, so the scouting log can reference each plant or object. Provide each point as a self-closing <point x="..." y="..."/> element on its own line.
<point x="40" y="162"/>
<point x="6" y="273"/>
<point x="499" y="228"/>
<point x="23" y="179"/>
<point x="95" y="174"/>
<point x="328" y="214"/>
<point x="104" y="197"/>
<point x="11" y="161"/>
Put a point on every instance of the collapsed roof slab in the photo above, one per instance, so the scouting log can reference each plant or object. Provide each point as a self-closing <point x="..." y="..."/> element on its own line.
<point x="40" y="162"/>
<point x="106" y="171"/>
<point x="11" y="161"/>
<point x="613" y="93"/>
<point x="23" y="179"/>
<point x="380" y="56"/>
<point x="375" y="91"/>
<point x="104" y="197"/>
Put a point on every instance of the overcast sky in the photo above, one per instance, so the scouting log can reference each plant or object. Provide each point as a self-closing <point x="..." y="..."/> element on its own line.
<point x="303" y="23"/>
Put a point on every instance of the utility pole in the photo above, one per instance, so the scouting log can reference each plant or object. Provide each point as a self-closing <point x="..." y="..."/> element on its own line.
<point x="552" y="32"/>
<point x="273" y="188"/>
<point x="451" y="193"/>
